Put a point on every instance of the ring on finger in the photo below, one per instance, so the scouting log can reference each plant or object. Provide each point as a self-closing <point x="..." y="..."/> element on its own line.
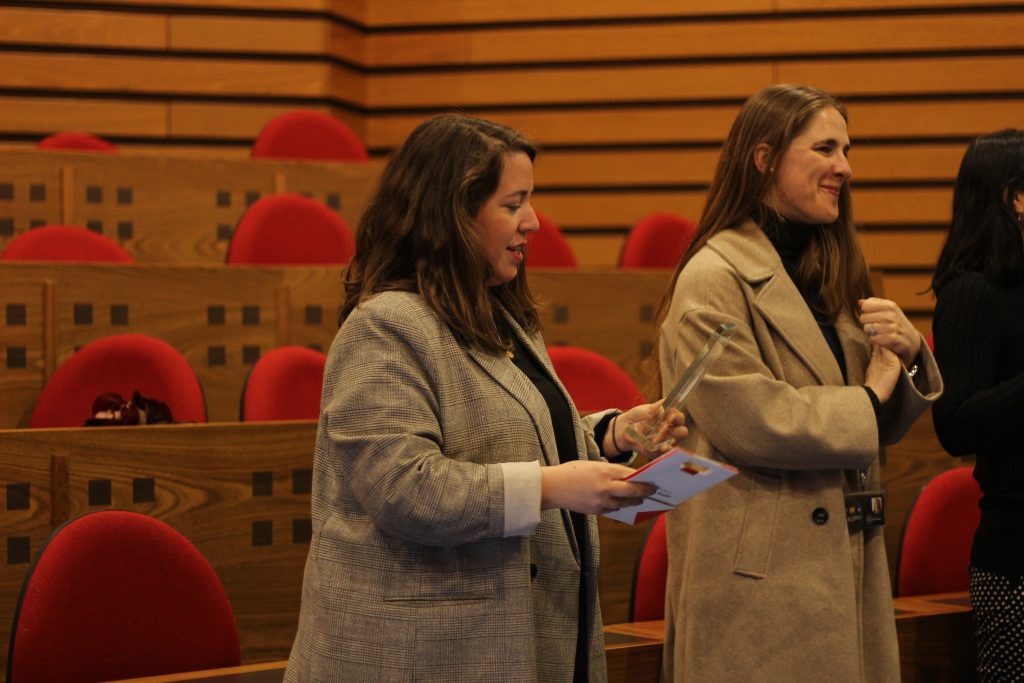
<point x="871" y="330"/>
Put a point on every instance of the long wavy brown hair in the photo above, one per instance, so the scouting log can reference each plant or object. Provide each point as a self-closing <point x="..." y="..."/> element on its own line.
<point x="832" y="267"/>
<point x="419" y="234"/>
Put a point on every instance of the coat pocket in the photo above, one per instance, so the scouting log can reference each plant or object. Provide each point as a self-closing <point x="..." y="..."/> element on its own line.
<point x="759" y="521"/>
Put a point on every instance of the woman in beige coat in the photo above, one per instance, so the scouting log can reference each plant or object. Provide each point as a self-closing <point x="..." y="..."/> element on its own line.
<point x="768" y="579"/>
<point x="453" y="477"/>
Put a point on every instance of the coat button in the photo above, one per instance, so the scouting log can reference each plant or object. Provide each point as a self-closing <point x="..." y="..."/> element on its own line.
<point x="820" y="515"/>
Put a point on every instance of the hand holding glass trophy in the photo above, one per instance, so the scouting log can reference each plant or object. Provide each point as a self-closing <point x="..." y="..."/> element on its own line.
<point x="653" y="434"/>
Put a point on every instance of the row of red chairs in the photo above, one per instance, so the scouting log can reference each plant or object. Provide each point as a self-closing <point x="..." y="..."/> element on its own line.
<point x="122" y="594"/>
<point x="285" y="229"/>
<point x="284" y="384"/>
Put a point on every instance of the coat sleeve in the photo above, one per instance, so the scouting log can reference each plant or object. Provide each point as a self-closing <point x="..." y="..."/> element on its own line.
<point x="748" y="413"/>
<point x="383" y="419"/>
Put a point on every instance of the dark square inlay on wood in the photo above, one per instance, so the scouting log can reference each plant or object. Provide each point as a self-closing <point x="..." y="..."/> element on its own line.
<point x="250" y="315"/>
<point x="118" y="314"/>
<point x="263" y="532"/>
<point x="18" y="496"/>
<point x="16" y="357"/>
<point x="19" y="550"/>
<point x="99" y="492"/>
<point x="223" y="198"/>
<point x="302" y="530"/>
<point x="82" y="314"/>
<point x="6" y="190"/>
<point x="124" y="195"/>
<point x="143" y="490"/>
<point x="262" y="483"/>
<point x="37" y="192"/>
<point x="93" y="194"/>
<point x="314" y="315"/>
<point x="250" y="354"/>
<point x="16" y="314"/>
<point x="6" y="227"/>
<point x="216" y="355"/>
<point x="302" y="481"/>
<point x="125" y="230"/>
<point x="216" y="315"/>
<point x="95" y="226"/>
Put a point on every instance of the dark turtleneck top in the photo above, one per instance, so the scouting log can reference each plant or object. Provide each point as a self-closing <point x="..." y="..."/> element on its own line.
<point x="790" y="239"/>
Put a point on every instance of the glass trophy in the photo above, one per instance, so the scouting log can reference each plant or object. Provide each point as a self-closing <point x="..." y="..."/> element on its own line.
<point x="679" y="393"/>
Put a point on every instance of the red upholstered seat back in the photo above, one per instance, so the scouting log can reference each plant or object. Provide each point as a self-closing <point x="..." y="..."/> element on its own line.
<point x="81" y="142"/>
<point x="547" y="247"/>
<point x="647" y="599"/>
<point x="935" y="544"/>
<point x="593" y="381"/>
<point x="64" y="243"/>
<point x="285" y="384"/>
<point x="289" y="229"/>
<point x="115" y="594"/>
<point x="657" y="241"/>
<point x="120" y="363"/>
<point x="308" y="134"/>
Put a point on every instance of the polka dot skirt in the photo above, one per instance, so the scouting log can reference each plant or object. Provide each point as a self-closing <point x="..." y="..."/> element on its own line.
<point x="998" y="603"/>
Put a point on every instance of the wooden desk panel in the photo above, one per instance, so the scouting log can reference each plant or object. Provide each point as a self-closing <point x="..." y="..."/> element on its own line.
<point x="160" y="209"/>
<point x="633" y="650"/>
<point x="239" y="492"/>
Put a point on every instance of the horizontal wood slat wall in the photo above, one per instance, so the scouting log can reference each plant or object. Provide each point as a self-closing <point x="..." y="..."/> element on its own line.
<point x="629" y="102"/>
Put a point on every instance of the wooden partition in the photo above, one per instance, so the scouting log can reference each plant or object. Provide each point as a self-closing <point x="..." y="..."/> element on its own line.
<point x="239" y="492"/>
<point x="163" y="210"/>
<point x="223" y="318"/>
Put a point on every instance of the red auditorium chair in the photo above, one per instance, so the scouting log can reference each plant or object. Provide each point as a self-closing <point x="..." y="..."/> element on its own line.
<point x="121" y="363"/>
<point x="593" y="381"/>
<point x="68" y="243"/>
<point x="284" y="384"/>
<point x="304" y="134"/>
<point x="79" y="142"/>
<point x="289" y="229"/>
<point x="548" y="248"/>
<point x="113" y="595"/>
<point x="935" y="543"/>
<point x="647" y="599"/>
<point x="657" y="241"/>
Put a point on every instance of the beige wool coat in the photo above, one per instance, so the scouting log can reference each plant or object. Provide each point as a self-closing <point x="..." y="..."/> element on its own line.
<point x="409" y="575"/>
<point x="766" y="583"/>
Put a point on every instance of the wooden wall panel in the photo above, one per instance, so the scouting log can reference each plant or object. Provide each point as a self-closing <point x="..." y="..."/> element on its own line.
<point x="144" y="74"/>
<point x="113" y="118"/>
<point x="411" y="13"/>
<point x="627" y="125"/>
<point x="564" y="85"/>
<point x="82" y="28"/>
<point x="305" y="36"/>
<point x="681" y="39"/>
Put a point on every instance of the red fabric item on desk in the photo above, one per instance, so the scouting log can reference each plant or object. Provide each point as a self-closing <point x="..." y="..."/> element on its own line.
<point x="122" y="363"/>
<point x="647" y="599"/>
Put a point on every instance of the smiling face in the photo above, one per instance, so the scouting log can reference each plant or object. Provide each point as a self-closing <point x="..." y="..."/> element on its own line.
<point x="506" y="218"/>
<point x="812" y="171"/>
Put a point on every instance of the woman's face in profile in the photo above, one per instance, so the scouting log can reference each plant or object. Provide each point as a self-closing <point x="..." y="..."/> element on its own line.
<point x="812" y="171"/>
<point x="506" y="218"/>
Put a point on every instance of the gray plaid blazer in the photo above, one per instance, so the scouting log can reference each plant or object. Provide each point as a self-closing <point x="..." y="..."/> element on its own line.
<point x="409" y="576"/>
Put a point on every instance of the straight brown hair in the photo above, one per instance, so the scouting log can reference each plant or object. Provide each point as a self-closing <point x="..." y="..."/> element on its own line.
<point x="832" y="266"/>
<point x="418" y="232"/>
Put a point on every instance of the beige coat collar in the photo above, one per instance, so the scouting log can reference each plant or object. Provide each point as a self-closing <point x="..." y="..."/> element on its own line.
<point x="776" y="298"/>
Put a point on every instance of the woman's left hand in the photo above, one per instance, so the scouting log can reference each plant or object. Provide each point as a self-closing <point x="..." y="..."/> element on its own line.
<point x="669" y="428"/>
<point x="886" y="326"/>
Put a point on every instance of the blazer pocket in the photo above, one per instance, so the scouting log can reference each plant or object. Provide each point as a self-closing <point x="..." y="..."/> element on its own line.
<point x="759" y="521"/>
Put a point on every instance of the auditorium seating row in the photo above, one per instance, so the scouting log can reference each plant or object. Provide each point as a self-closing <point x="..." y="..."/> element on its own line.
<point x="168" y="210"/>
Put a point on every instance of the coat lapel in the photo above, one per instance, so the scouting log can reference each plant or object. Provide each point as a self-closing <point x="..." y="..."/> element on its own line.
<point x="506" y="374"/>
<point x="777" y="299"/>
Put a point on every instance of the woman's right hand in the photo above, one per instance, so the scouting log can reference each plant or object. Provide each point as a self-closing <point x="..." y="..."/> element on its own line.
<point x="882" y="373"/>
<point x="590" y="486"/>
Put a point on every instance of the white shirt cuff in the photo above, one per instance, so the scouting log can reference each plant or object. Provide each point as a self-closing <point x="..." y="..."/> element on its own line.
<point x="522" y="497"/>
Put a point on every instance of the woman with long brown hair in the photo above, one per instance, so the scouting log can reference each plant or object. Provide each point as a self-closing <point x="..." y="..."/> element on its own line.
<point x="780" y="572"/>
<point x="454" y="482"/>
